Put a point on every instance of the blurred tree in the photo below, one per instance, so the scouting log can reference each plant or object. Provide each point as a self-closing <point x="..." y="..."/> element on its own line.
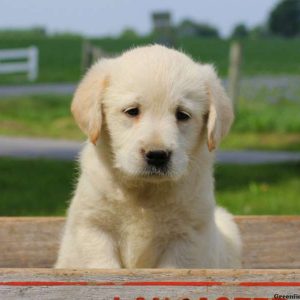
<point x="206" y="30"/>
<point x="34" y="32"/>
<point x="129" y="33"/>
<point x="39" y="31"/>
<point x="240" y="31"/>
<point x="259" y="31"/>
<point x="67" y="34"/>
<point x="284" y="19"/>
<point x="187" y="28"/>
<point x="190" y="28"/>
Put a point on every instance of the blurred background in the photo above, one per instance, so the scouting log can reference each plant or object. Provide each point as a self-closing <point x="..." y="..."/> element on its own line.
<point x="46" y="46"/>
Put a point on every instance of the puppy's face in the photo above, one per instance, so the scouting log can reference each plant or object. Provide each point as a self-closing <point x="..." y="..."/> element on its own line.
<point x="154" y="118"/>
<point x="156" y="105"/>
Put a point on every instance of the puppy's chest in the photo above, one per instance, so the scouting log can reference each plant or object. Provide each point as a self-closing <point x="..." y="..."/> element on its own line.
<point x="144" y="235"/>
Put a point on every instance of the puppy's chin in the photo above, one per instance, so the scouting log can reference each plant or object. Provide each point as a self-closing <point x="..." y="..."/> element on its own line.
<point x="151" y="174"/>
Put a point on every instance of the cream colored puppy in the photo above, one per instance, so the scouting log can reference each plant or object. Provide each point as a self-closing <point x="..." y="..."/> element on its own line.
<point x="145" y="196"/>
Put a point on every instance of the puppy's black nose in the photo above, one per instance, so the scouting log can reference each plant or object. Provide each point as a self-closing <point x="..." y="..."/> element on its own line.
<point x="158" y="158"/>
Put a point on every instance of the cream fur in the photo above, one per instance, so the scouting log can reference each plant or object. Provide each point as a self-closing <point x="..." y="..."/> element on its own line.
<point x="124" y="216"/>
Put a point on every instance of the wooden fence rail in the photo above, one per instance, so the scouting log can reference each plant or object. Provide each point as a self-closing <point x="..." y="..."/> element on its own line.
<point x="12" y="61"/>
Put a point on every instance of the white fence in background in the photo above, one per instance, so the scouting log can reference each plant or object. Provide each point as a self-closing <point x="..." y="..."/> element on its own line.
<point x="9" y="63"/>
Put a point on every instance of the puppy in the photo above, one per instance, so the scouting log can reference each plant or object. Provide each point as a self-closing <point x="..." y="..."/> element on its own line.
<point x="145" y="196"/>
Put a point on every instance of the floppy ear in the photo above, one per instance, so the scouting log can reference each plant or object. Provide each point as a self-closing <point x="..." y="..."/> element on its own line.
<point x="86" y="103"/>
<point x="220" y="112"/>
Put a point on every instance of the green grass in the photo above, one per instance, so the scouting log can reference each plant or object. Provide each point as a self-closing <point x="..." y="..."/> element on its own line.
<point x="259" y="189"/>
<point x="257" y="115"/>
<point x="262" y="141"/>
<point x="39" y="116"/>
<point x="248" y="189"/>
<point x="60" y="58"/>
<point x="258" y="125"/>
<point x="35" y="187"/>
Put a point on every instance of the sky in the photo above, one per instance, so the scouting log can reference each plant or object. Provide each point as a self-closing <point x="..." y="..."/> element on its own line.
<point x="110" y="17"/>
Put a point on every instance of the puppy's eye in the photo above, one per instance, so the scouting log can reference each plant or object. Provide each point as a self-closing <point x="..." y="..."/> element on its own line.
<point x="132" y="111"/>
<point x="182" y="115"/>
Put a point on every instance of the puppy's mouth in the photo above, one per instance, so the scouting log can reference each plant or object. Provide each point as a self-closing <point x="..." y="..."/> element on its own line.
<point x="156" y="171"/>
<point x="156" y="174"/>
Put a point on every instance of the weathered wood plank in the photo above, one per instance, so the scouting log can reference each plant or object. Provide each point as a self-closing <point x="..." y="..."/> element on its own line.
<point x="149" y="284"/>
<point x="29" y="242"/>
<point x="269" y="241"/>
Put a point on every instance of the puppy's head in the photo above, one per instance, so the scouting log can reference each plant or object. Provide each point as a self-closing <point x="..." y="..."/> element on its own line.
<point x="157" y="104"/>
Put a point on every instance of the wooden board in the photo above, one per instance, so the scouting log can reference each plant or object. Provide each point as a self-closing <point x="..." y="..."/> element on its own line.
<point x="269" y="241"/>
<point x="36" y="284"/>
<point x="29" y="242"/>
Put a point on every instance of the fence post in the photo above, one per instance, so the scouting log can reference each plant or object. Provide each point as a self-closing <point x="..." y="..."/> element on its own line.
<point x="97" y="53"/>
<point x="235" y="60"/>
<point x="90" y="54"/>
<point x="86" y="59"/>
<point x="33" y="58"/>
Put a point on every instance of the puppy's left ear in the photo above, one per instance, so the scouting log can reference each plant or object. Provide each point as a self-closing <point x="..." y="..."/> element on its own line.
<point x="86" y="104"/>
<point x="220" y="112"/>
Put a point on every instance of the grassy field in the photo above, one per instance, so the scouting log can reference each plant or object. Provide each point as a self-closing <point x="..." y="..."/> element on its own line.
<point x="272" y="141"/>
<point x="259" y="189"/>
<point x="258" y="125"/>
<point x="60" y="58"/>
<point x="38" y="116"/>
<point x="45" y="191"/>
<point x="250" y="189"/>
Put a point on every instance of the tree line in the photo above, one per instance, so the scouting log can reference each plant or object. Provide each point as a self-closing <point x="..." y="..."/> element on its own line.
<point x="283" y="21"/>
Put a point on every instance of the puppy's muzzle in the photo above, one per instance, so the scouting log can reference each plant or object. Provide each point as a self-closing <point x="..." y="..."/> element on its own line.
<point x="158" y="158"/>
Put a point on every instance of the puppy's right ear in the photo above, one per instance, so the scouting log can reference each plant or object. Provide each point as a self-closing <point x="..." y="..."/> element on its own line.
<point x="86" y="103"/>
